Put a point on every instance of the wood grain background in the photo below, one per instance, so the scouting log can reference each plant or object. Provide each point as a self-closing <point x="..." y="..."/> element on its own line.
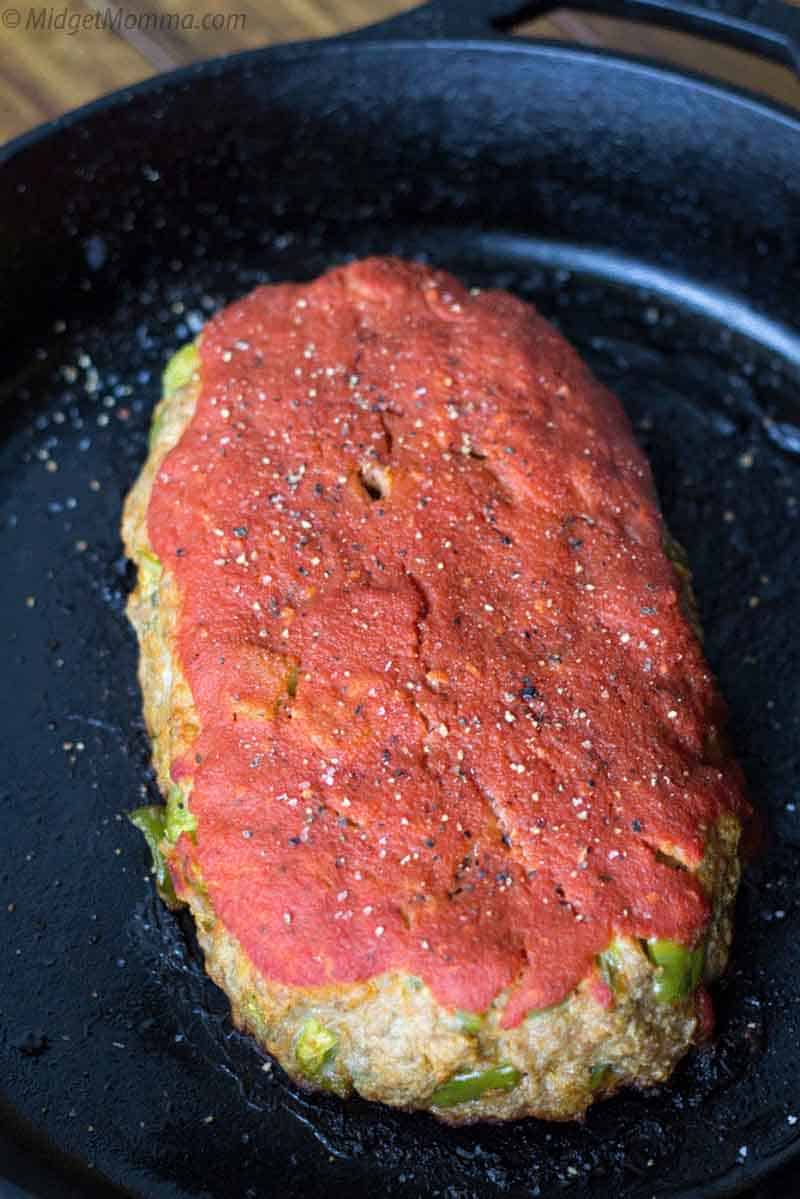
<point x="45" y="71"/>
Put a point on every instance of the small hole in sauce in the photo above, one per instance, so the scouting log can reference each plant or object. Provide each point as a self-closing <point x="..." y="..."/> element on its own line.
<point x="375" y="479"/>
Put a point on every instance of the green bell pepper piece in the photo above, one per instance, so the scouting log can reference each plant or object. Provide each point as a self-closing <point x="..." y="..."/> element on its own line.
<point x="151" y="822"/>
<point x="180" y="368"/>
<point x="178" y="817"/>
<point x="680" y="970"/>
<point x="151" y="568"/>
<point x="150" y="571"/>
<point x="177" y="373"/>
<point x="468" y="1022"/>
<point x="471" y="1084"/>
<point x="314" y="1047"/>
<point x="609" y="963"/>
<point x="155" y="429"/>
<point x="601" y="1076"/>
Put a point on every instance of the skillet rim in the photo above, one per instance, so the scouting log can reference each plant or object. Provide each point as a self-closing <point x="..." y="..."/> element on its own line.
<point x="628" y="65"/>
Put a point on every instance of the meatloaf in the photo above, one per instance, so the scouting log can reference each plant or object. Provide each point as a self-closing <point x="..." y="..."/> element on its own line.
<point x="447" y="790"/>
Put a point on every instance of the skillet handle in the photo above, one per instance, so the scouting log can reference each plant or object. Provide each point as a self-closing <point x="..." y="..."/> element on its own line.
<point x="768" y="27"/>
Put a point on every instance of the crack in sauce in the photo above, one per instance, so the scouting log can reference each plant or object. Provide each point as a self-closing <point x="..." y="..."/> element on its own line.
<point x="454" y="720"/>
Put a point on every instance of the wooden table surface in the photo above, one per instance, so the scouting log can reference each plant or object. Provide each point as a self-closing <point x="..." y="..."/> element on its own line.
<point x="55" y="58"/>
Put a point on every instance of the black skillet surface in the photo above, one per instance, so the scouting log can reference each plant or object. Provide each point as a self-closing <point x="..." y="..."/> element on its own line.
<point x="657" y="220"/>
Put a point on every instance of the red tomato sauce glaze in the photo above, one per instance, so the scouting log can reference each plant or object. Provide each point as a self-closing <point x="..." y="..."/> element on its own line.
<point x="452" y="713"/>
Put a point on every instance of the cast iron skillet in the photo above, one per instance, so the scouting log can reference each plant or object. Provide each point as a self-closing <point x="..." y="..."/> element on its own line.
<point x="656" y="218"/>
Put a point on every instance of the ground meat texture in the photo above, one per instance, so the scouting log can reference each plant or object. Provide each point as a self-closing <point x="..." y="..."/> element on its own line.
<point x="447" y="792"/>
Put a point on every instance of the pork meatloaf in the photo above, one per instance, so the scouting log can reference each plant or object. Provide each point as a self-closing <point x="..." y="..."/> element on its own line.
<point x="446" y="785"/>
